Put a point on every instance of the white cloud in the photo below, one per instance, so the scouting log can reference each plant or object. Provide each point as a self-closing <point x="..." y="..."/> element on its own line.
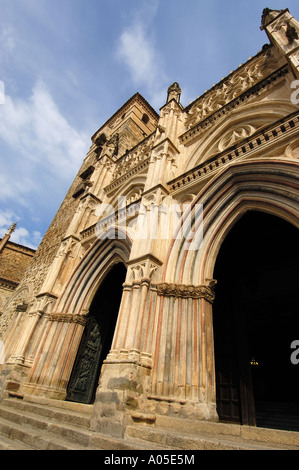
<point x="7" y="39"/>
<point x="138" y="52"/>
<point x="6" y="220"/>
<point x="36" y="127"/>
<point x="139" y="55"/>
<point x="40" y="155"/>
<point x="40" y="140"/>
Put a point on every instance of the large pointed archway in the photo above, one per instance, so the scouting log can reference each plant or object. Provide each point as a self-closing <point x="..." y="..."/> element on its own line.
<point x="97" y="337"/>
<point x="264" y="185"/>
<point x="256" y="318"/>
<point x="80" y="304"/>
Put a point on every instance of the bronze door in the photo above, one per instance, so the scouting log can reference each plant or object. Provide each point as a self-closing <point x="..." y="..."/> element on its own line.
<point x="85" y="373"/>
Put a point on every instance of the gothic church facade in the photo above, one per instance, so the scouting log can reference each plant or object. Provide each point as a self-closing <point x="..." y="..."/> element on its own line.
<point x="172" y="264"/>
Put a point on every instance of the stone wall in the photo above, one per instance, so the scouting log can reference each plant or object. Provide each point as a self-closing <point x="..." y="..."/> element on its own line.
<point x="14" y="260"/>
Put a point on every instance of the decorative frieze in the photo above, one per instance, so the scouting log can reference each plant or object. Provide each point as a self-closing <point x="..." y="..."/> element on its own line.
<point x="120" y="218"/>
<point x="68" y="318"/>
<point x="233" y="85"/>
<point x="186" y="291"/>
<point x="200" y="118"/>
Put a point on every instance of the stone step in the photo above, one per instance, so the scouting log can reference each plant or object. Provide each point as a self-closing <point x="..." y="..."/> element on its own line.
<point x="8" y="444"/>
<point x="55" y="425"/>
<point x="44" y="427"/>
<point x="52" y="409"/>
<point x="179" y="441"/>
<point x="204" y="435"/>
<point x="19" y="435"/>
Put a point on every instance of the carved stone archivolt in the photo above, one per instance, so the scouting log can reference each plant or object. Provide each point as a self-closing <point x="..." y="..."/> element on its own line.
<point x="186" y="291"/>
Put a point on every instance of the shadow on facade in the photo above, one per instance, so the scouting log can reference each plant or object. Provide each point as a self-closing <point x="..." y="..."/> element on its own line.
<point x="255" y="321"/>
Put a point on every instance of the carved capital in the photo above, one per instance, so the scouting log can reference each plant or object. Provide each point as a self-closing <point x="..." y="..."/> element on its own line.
<point x="186" y="291"/>
<point x="143" y="268"/>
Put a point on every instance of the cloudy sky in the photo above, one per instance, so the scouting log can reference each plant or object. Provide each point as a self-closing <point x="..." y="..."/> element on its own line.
<point x="67" y="65"/>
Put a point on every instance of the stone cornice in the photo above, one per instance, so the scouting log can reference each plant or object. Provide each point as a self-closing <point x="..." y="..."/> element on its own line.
<point x="7" y="284"/>
<point x="185" y="291"/>
<point x="125" y="214"/>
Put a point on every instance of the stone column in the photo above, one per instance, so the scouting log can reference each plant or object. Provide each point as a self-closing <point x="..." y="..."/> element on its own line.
<point x="183" y="377"/>
<point x="55" y="358"/>
<point x="125" y="375"/>
<point x="19" y="353"/>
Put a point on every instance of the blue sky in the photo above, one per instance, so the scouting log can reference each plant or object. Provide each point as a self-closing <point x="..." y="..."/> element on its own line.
<point x="68" y="65"/>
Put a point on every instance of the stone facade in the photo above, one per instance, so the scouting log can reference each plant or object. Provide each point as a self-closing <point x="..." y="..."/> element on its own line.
<point x="158" y="194"/>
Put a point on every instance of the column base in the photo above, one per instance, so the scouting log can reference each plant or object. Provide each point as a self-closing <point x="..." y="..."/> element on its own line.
<point x="12" y="376"/>
<point x="121" y="395"/>
<point x="183" y="408"/>
<point x="43" y="391"/>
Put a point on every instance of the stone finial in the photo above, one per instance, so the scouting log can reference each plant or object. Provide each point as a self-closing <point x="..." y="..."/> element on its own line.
<point x="6" y="237"/>
<point x="174" y="92"/>
<point x="12" y="229"/>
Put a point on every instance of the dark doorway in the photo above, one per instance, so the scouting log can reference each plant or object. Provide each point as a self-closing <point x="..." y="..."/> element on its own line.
<point x="97" y="337"/>
<point x="256" y="318"/>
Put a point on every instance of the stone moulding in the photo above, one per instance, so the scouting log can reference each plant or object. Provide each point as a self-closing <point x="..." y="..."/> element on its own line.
<point x="185" y="291"/>
<point x="68" y="318"/>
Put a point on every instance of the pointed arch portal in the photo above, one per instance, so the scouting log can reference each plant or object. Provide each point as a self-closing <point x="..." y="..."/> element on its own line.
<point x="97" y="337"/>
<point x="250" y="217"/>
<point x="256" y="318"/>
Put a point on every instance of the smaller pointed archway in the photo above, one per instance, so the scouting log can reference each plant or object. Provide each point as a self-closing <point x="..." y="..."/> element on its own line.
<point x="97" y="337"/>
<point x="255" y="321"/>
